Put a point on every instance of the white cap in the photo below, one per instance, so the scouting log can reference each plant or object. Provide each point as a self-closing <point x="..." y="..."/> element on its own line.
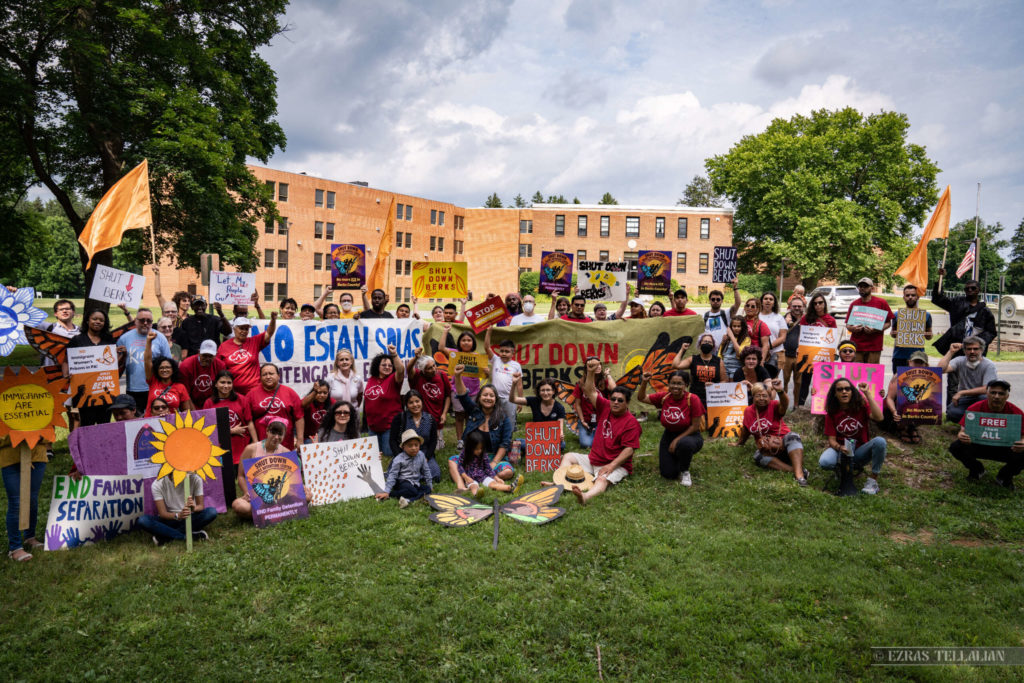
<point x="208" y="346"/>
<point x="238" y="322"/>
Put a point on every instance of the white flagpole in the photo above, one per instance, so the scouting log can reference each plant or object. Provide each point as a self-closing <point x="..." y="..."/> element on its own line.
<point x="977" y="244"/>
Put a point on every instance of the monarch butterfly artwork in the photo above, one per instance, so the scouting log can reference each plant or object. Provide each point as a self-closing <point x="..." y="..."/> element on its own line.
<point x="914" y="392"/>
<point x="270" y="490"/>
<point x="535" y="507"/>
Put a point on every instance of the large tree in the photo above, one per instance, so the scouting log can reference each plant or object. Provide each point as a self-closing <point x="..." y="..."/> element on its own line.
<point x="1015" y="269"/>
<point x="990" y="264"/>
<point x="700" y="193"/>
<point x="93" y="88"/>
<point x="607" y="199"/>
<point x="830" y="193"/>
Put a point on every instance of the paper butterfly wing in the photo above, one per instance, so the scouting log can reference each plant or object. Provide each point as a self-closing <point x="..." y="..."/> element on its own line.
<point x="535" y="507"/>
<point x="563" y="393"/>
<point x="457" y="511"/>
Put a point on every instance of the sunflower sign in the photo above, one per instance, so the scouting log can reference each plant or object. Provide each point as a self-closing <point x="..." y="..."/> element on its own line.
<point x="348" y="266"/>
<point x="16" y="310"/>
<point x="274" y="483"/>
<point x="439" y="279"/>
<point x="31" y="406"/>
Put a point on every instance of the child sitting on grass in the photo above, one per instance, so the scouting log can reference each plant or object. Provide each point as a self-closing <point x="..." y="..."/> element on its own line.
<point x="409" y="475"/>
<point x="472" y="469"/>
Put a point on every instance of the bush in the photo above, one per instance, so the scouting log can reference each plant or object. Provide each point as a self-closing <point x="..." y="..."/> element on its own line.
<point x="528" y="283"/>
<point x="757" y="284"/>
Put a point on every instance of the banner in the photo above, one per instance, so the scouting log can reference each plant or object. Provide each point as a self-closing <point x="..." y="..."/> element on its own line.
<point x="490" y="312"/>
<point x="654" y="272"/>
<point x="602" y="280"/>
<point x="726" y="403"/>
<point x="867" y="316"/>
<point x="274" y="483"/>
<point x="724" y="266"/>
<point x="117" y="286"/>
<point x="816" y="345"/>
<point x="555" y="272"/>
<point x="439" y="279"/>
<point x="230" y="289"/>
<point x="348" y="266"/>
<point x="827" y="373"/>
<point x="919" y="395"/>
<point x="992" y="429"/>
<point x="342" y="470"/>
<point x="911" y="324"/>
<point x="94" y="379"/>
<point x="476" y="364"/>
<point x="92" y="509"/>
<point x="543" y="446"/>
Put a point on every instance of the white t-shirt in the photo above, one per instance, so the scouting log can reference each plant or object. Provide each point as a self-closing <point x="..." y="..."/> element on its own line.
<point x="716" y="324"/>
<point x="501" y="375"/>
<point x="174" y="496"/>
<point x="776" y="323"/>
<point x="523" y="319"/>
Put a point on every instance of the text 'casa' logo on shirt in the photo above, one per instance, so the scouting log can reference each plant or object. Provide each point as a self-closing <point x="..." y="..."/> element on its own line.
<point x="849" y="425"/>
<point x="674" y="414"/>
<point x="272" y="404"/>
<point x="375" y="392"/>
<point x="432" y="391"/>
<point x="239" y="357"/>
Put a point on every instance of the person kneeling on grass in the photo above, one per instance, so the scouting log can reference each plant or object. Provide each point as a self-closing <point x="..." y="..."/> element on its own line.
<point x="682" y="415"/>
<point x="276" y="429"/>
<point x="409" y="475"/>
<point x="173" y="508"/>
<point x="906" y="429"/>
<point x="777" y="447"/>
<point x="847" y="410"/>
<point x="472" y="469"/>
<point x="995" y="401"/>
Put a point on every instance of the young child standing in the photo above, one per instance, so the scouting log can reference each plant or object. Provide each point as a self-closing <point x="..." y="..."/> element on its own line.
<point x="472" y="469"/>
<point x="503" y="371"/>
<point x="409" y="475"/>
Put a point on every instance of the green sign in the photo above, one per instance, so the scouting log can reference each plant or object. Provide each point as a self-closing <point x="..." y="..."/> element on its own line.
<point x="992" y="429"/>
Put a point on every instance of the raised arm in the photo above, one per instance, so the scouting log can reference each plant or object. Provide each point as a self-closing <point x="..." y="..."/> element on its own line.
<point x="874" y="410"/>
<point x="398" y="365"/>
<point x="953" y="349"/>
<point x="319" y="303"/>
<point x="590" y="383"/>
<point x="679" y="362"/>
<point x="147" y="355"/>
<point x="641" y="391"/>
<point x="271" y="329"/>
<point x="460" y="386"/>
<point x="516" y="394"/>
<point x="156" y="286"/>
<point x="442" y="344"/>
<point x="255" y="298"/>
<point x="776" y="385"/>
<point x="487" y="343"/>
<point x="736" y="298"/>
<point x="554" y="302"/>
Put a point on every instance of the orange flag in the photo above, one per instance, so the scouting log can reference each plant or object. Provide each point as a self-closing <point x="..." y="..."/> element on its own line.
<point x="379" y="273"/>
<point x="125" y="206"/>
<point x="915" y="269"/>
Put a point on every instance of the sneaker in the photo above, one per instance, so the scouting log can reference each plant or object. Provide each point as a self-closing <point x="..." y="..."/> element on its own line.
<point x="802" y="481"/>
<point x="403" y="503"/>
<point x="806" y="473"/>
<point x="1005" y="483"/>
<point x="459" y="445"/>
<point x="200" y="536"/>
<point x="157" y="542"/>
<point x="685" y="479"/>
<point x="519" y="485"/>
<point x="976" y="475"/>
<point x="870" y="487"/>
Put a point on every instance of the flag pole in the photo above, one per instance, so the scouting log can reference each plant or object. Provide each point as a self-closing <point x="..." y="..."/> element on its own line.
<point x="977" y="244"/>
<point x="152" y="243"/>
<point x="942" y="267"/>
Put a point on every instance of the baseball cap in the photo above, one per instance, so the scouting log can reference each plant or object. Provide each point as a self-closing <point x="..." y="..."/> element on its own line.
<point x="240" y="322"/>
<point x="866" y="281"/>
<point x="636" y="302"/>
<point x="123" y="401"/>
<point x="597" y="306"/>
<point x="208" y="346"/>
<point x="919" y="355"/>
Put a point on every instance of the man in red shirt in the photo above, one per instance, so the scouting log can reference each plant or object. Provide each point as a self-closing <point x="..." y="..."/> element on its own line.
<point x="198" y="372"/>
<point x="576" y="311"/>
<point x="867" y="339"/>
<point x="679" y="301"/>
<point x="996" y="402"/>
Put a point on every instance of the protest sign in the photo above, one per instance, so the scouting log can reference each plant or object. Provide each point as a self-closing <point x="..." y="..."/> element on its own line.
<point x="555" y="272"/>
<point x="726" y="403"/>
<point x="490" y="312"/>
<point x="342" y="470"/>
<point x="31" y="406"/>
<point x="827" y="373"/>
<point x="602" y="280"/>
<point x="723" y="267"/>
<point x="348" y="266"/>
<point x="17" y="313"/>
<point x="475" y="364"/>
<point x="439" y="279"/>
<point x="117" y="286"/>
<point x="543" y="446"/>
<point x="992" y="429"/>
<point x="94" y="380"/>
<point x="867" y="316"/>
<point x="816" y="345"/>
<point x="919" y="395"/>
<point x="92" y="509"/>
<point x="911" y="324"/>
<point x="232" y="289"/>
<point x="654" y="272"/>
<point x="274" y="483"/>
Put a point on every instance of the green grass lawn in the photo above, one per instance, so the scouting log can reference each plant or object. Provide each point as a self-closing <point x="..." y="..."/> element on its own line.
<point x="743" y="576"/>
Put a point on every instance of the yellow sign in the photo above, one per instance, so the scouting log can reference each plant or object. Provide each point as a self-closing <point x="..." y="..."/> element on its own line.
<point x="439" y="280"/>
<point x="30" y="407"/>
<point x="476" y="364"/>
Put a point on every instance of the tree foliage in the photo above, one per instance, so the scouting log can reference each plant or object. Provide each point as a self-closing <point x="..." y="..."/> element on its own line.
<point x="826" y="192"/>
<point x="556" y="199"/>
<point x="537" y="198"/>
<point x="518" y="201"/>
<point x="493" y="202"/>
<point x="700" y="193"/>
<point x="1015" y="269"/>
<point x="991" y="263"/>
<point x="608" y="200"/>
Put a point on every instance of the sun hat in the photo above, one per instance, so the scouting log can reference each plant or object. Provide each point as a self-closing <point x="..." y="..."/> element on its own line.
<point x="572" y="475"/>
<point x="409" y="435"/>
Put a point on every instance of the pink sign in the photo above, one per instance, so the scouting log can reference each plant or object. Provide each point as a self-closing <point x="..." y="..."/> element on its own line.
<point x="826" y="373"/>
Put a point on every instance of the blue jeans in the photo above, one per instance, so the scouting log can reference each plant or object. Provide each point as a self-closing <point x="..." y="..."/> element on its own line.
<point x="12" y="484"/>
<point x="586" y="436"/>
<point x="174" y="530"/>
<point x="955" y="411"/>
<point x="384" y="441"/>
<point x="873" y="450"/>
<point x="408" y="490"/>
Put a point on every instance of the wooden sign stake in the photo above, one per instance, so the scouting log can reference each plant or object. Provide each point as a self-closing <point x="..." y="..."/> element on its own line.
<point x="26" y="488"/>
<point x="188" y="520"/>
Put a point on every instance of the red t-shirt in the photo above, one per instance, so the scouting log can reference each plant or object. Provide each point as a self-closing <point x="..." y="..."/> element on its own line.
<point x="871" y="340"/>
<point x="823" y="321"/>
<point x="263" y="406"/>
<point x="382" y="400"/>
<point x="198" y="379"/>
<point x="613" y="435"/>
<point x="982" y="407"/>
<point x="677" y="414"/>
<point x="584" y="319"/>
<point x="239" y="415"/>
<point x="757" y="329"/>
<point x="175" y="394"/>
<point x="585" y="407"/>
<point x="433" y="390"/>
<point x="672" y="313"/>
<point x="844" y="425"/>
<point x="314" y="417"/>
<point x="243" y="361"/>
<point x="764" y="422"/>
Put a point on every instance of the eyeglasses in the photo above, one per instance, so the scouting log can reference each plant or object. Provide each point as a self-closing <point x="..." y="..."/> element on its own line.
<point x="344" y="412"/>
<point x="165" y="327"/>
<point x="838" y="389"/>
<point x="715" y="300"/>
<point x="616" y="399"/>
<point x="971" y="289"/>
<point x="819" y="303"/>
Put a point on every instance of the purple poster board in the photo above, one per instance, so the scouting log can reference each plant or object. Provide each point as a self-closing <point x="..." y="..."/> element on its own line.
<point x="654" y="272"/>
<point x="919" y="395"/>
<point x="555" y="272"/>
<point x="275" y="488"/>
<point x="348" y="266"/>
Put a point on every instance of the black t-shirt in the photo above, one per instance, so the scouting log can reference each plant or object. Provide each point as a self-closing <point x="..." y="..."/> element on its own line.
<point x="194" y="330"/>
<point x="81" y="340"/>
<point x="370" y="313"/>
<point x="557" y="411"/>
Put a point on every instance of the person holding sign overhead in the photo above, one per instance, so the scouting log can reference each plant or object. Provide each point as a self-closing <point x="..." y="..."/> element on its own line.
<point x="241" y="353"/>
<point x="992" y="408"/>
<point x="868" y="339"/>
<point x="913" y="326"/>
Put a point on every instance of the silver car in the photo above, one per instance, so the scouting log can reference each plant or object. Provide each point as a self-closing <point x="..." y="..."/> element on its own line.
<point x="838" y="298"/>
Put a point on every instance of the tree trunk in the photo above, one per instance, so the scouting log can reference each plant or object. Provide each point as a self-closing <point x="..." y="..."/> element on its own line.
<point x="106" y="258"/>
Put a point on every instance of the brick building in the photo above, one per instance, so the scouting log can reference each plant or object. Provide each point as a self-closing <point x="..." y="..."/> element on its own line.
<point x="498" y="244"/>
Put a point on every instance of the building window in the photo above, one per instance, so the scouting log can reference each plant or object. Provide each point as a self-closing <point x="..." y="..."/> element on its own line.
<point x="433" y="243"/>
<point x="681" y="262"/>
<point x="632" y="226"/>
<point x="399" y="212"/>
<point x="329" y="233"/>
<point x="408" y="240"/>
<point x="606" y="224"/>
<point x="270" y="186"/>
<point x="460" y="222"/>
<point x="659" y="227"/>
<point x="525" y="270"/>
<point x="398" y="239"/>
<point x="398" y="293"/>
<point x="433" y="216"/>
<point x="318" y="198"/>
<point x="398" y="266"/>
<point x="317" y="291"/>
<point x="705" y="228"/>
<point x="282" y="290"/>
<point x="268" y="291"/>
<point x="330" y="203"/>
<point x="282" y="192"/>
<point x="408" y="295"/>
<point x="408" y="212"/>
<point x="268" y="226"/>
<point x="559" y="225"/>
<point x="681" y="230"/>
<point x="440" y="217"/>
<point x="318" y="261"/>
<point x="602" y="256"/>
<point x="631" y="258"/>
<point x="408" y="267"/>
<point x="703" y="263"/>
<point x="525" y="250"/>
<point x="282" y="258"/>
<point x="282" y="226"/>
<point x="581" y="255"/>
<point x="581" y="226"/>
<point x="318" y="229"/>
<point x="459" y="246"/>
<point x="268" y="258"/>
<point x="525" y="227"/>
<point x="440" y="244"/>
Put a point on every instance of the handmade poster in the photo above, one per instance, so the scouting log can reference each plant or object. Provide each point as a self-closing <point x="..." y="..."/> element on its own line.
<point x="992" y="429"/>
<point x="230" y="289"/>
<point x="117" y="286"/>
<point x="919" y="395"/>
<point x="816" y="345"/>
<point x="555" y="272"/>
<point x="723" y="268"/>
<point x="543" y="446"/>
<point x="274" y="483"/>
<point x="16" y="311"/>
<point x="867" y="316"/>
<point x="602" y="280"/>
<point x="911" y="324"/>
<point x="654" y="272"/>
<point x="92" y="509"/>
<point x="94" y="379"/>
<point x="31" y="406"/>
<point x="348" y="266"/>
<point x="439" y="279"/>
<point x="476" y="364"/>
<point x="490" y="312"/>
<point x="535" y="507"/>
<point x="138" y="449"/>
<point x="342" y="470"/>
<point x="726" y="403"/>
<point x="827" y="373"/>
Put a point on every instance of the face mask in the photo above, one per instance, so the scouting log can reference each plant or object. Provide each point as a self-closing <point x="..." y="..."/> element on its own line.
<point x="528" y="307"/>
<point x="974" y="364"/>
<point x="346" y="306"/>
<point x="707" y="348"/>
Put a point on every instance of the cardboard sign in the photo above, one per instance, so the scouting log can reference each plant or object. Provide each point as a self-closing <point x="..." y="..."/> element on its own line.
<point x="555" y="272"/>
<point x="919" y="395"/>
<point x="117" y="286"/>
<point x="476" y="364"/>
<point x="92" y="509"/>
<point x="348" y="266"/>
<point x="726" y="403"/>
<point x="867" y="316"/>
<point x="602" y="280"/>
<point x="827" y="373"/>
<point x="992" y="429"/>
<point x="543" y="446"/>
<point x="490" y="312"/>
<point x="94" y="380"/>
<point x="342" y="470"/>
<point x="439" y="279"/>
<point x="654" y="272"/>
<point x="31" y="406"/>
<point x="274" y="483"/>
<point x="723" y="267"/>
<point x="911" y="324"/>
<point x="17" y="312"/>
<point x="816" y="345"/>
<point x="232" y="289"/>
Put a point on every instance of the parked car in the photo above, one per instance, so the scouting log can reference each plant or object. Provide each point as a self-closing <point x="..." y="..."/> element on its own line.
<point x="838" y="297"/>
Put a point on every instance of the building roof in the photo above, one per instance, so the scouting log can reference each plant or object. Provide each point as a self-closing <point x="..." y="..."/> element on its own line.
<point x="646" y="208"/>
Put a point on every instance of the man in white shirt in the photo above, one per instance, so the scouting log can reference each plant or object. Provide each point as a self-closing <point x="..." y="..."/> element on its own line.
<point x="173" y="508"/>
<point x="529" y="315"/>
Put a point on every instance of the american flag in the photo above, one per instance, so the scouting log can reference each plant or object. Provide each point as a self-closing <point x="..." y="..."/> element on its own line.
<point x="968" y="261"/>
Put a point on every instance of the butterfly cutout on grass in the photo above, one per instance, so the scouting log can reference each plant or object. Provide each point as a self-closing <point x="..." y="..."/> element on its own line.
<point x="532" y="508"/>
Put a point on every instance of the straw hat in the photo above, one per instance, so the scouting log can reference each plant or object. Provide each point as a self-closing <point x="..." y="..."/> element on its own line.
<point x="572" y="475"/>
<point x="411" y="435"/>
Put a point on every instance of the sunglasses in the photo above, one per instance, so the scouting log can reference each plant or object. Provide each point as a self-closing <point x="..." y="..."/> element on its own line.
<point x="344" y="412"/>
<point x="616" y="399"/>
<point x="838" y="389"/>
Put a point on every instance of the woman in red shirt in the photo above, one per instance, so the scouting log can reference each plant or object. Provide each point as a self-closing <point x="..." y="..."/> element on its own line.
<point x="682" y="415"/>
<point x="243" y="432"/>
<point x="241" y="353"/>
<point x="847" y="412"/>
<point x="760" y="333"/>
<point x="315" y="405"/>
<point x="816" y="316"/>
<point x="777" y="447"/>
<point x="271" y="400"/>
<point x="383" y="396"/>
<point x="164" y="380"/>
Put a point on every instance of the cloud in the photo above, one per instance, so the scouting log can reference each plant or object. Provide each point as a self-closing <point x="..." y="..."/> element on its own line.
<point x="796" y="57"/>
